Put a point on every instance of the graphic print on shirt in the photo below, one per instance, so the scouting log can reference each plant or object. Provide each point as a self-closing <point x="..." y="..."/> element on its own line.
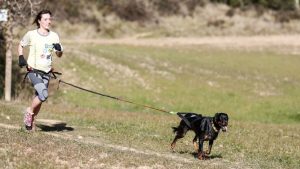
<point x="46" y="56"/>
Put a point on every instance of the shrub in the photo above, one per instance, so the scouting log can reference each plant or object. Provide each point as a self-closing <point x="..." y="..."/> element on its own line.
<point x="133" y="10"/>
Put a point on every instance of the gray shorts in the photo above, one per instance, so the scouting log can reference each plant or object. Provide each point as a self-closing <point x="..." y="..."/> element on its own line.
<point x="40" y="83"/>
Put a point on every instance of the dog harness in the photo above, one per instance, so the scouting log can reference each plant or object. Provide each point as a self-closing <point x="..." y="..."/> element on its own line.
<point x="187" y="122"/>
<point x="214" y="127"/>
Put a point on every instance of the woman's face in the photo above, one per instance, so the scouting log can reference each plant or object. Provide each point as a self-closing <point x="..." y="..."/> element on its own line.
<point x="45" y="21"/>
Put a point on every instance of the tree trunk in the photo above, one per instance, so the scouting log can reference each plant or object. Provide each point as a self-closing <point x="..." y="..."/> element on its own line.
<point x="297" y="4"/>
<point x="8" y="58"/>
<point x="17" y="15"/>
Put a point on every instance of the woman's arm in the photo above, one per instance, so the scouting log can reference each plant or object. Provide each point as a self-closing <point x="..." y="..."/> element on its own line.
<point x="20" y="49"/>
<point x="22" y="60"/>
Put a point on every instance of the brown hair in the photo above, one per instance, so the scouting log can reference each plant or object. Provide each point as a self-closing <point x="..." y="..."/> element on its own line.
<point x="39" y="17"/>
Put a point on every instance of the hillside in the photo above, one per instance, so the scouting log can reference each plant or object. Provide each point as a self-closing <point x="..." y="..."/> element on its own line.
<point x="172" y="18"/>
<point x="190" y="56"/>
<point x="255" y="85"/>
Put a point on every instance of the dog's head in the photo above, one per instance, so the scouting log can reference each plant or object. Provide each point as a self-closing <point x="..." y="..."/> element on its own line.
<point x="221" y="120"/>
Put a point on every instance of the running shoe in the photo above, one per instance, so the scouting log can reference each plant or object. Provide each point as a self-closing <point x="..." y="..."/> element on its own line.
<point x="28" y="119"/>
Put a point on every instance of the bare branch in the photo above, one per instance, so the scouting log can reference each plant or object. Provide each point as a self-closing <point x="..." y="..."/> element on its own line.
<point x="31" y="7"/>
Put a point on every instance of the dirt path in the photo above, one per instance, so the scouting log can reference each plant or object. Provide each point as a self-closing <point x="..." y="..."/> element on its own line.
<point x="93" y="141"/>
<point x="214" y="163"/>
<point x="168" y="156"/>
<point x="226" y="41"/>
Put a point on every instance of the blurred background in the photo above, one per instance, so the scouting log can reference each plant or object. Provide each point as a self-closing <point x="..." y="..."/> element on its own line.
<point x="156" y="18"/>
<point x="77" y="19"/>
<point x="204" y="56"/>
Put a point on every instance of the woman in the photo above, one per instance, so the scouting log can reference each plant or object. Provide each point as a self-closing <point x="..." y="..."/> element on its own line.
<point x="42" y="43"/>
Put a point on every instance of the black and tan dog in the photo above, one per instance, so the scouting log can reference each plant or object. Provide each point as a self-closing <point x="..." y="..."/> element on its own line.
<point x="205" y="128"/>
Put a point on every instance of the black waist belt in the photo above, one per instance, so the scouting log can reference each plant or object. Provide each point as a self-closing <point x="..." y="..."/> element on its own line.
<point x="41" y="73"/>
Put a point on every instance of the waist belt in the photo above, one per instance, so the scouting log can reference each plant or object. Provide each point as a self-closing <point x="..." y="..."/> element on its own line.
<point x="41" y="73"/>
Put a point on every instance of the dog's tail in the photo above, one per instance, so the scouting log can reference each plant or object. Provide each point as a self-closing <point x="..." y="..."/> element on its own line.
<point x="175" y="129"/>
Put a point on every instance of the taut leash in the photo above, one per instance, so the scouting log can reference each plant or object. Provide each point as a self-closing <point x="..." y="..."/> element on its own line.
<point x="112" y="97"/>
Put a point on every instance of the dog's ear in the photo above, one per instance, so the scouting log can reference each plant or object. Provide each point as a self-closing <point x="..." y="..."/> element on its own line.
<point x="227" y="116"/>
<point x="217" y="116"/>
<point x="224" y="116"/>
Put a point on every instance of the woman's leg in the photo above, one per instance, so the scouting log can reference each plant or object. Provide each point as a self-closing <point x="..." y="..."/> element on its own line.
<point x="31" y="112"/>
<point x="35" y="106"/>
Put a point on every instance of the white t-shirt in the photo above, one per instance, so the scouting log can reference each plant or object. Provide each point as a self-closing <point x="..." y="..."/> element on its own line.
<point x="41" y="49"/>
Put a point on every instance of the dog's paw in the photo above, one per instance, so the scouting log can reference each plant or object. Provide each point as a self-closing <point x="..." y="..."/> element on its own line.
<point x="173" y="147"/>
<point x="207" y="153"/>
<point x="201" y="156"/>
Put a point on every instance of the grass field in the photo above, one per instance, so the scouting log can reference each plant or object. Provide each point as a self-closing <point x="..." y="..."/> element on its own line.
<point x="257" y="88"/>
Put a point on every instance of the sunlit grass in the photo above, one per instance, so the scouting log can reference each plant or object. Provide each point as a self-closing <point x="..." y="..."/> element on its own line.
<point x="250" y="85"/>
<point x="258" y="89"/>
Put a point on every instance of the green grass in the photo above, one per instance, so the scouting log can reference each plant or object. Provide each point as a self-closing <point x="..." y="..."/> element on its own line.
<point x="250" y="85"/>
<point x="258" y="89"/>
<point x="248" y="144"/>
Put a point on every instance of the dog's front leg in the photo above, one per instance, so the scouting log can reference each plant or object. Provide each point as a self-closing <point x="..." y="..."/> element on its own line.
<point x="210" y="144"/>
<point x="196" y="147"/>
<point x="173" y="144"/>
<point x="200" y="150"/>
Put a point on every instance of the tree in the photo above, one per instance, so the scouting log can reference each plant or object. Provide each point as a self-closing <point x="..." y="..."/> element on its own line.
<point x="19" y="12"/>
<point x="297" y="4"/>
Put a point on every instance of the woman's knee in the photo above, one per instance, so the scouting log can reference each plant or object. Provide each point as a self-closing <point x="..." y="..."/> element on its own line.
<point x="42" y="91"/>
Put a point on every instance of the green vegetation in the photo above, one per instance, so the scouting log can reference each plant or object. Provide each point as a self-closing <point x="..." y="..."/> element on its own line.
<point x="251" y="85"/>
<point x="273" y="4"/>
<point x="136" y="10"/>
<point x="257" y="88"/>
<point x="173" y="18"/>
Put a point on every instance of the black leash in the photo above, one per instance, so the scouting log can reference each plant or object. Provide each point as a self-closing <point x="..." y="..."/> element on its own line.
<point x="112" y="97"/>
<point x="181" y="115"/>
<point x="53" y="73"/>
<point x="105" y="95"/>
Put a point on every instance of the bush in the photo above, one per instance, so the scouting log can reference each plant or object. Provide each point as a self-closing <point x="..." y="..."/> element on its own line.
<point x="271" y="4"/>
<point x="144" y="10"/>
<point x="171" y="7"/>
<point x="133" y="10"/>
